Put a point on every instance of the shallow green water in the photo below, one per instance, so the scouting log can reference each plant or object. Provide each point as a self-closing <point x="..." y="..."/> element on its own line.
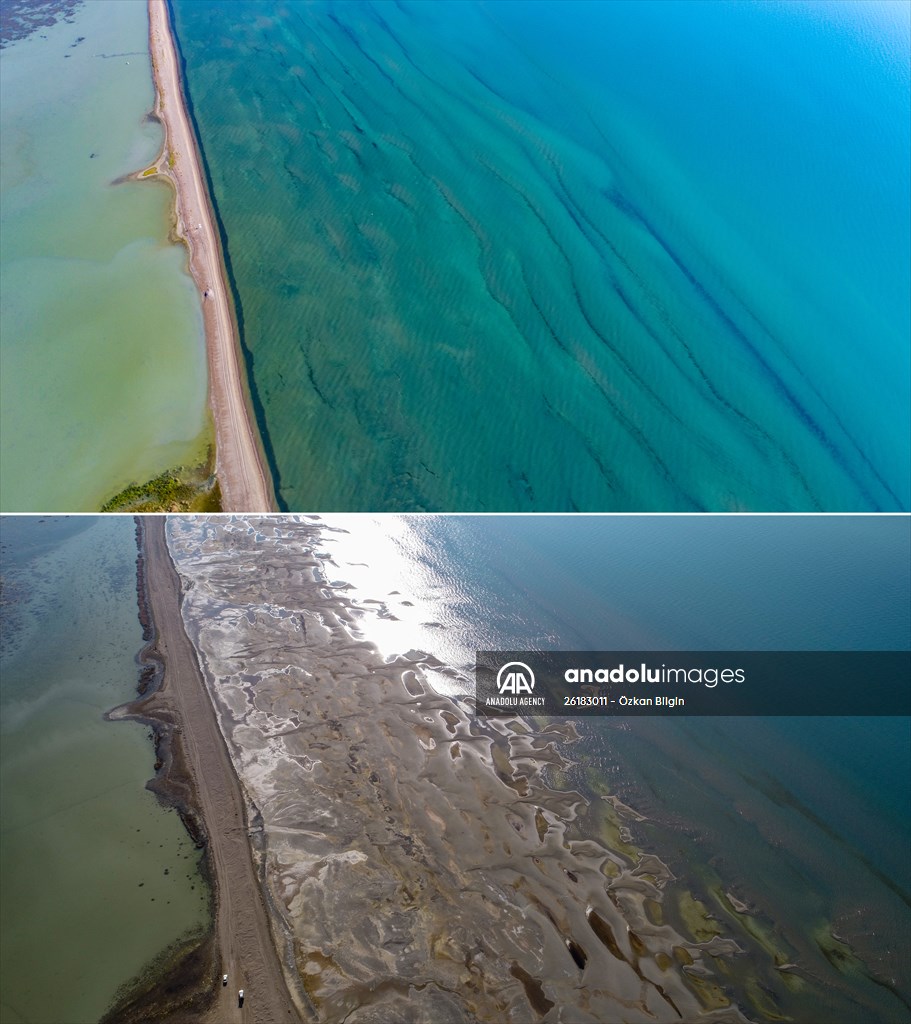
<point x="103" y="359"/>
<point x="84" y="900"/>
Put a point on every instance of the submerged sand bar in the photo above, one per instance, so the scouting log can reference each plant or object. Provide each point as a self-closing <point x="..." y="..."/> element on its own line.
<point x="245" y="483"/>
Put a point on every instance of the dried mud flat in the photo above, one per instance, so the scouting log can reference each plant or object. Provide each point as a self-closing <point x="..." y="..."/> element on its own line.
<point x="416" y="864"/>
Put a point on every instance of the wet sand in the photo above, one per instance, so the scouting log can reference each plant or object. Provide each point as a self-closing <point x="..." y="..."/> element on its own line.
<point x="419" y="863"/>
<point x="245" y="483"/>
<point x="195" y="773"/>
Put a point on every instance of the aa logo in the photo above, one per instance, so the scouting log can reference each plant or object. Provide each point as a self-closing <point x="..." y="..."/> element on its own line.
<point x="515" y="677"/>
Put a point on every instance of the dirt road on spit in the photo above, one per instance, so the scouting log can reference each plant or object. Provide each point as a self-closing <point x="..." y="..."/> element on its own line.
<point x="242" y="930"/>
<point x="245" y="484"/>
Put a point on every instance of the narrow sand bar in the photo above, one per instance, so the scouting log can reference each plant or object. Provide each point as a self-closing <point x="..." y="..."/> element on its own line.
<point x="198" y="763"/>
<point x="245" y="483"/>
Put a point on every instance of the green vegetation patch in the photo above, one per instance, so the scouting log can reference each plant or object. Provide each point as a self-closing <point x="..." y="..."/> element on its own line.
<point x="175" y="490"/>
<point x="148" y="171"/>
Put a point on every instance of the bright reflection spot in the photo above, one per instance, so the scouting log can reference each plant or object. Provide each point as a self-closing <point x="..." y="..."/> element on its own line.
<point x="405" y="604"/>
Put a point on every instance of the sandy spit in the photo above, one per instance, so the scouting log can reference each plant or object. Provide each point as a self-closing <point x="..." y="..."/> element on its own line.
<point x="245" y="483"/>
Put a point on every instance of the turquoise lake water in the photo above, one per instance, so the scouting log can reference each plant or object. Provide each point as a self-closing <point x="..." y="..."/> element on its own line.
<point x="805" y="820"/>
<point x="560" y="256"/>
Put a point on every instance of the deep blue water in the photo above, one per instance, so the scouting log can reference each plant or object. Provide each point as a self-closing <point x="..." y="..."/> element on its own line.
<point x="567" y="256"/>
<point x="804" y="819"/>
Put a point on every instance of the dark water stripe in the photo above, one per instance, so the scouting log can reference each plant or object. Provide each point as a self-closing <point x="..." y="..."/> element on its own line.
<point x="754" y="425"/>
<point x="349" y="34"/>
<point x="625" y="206"/>
<point x="608" y="474"/>
<point x="622" y="418"/>
<point x="631" y="373"/>
<point x="746" y="308"/>
<point x="778" y="794"/>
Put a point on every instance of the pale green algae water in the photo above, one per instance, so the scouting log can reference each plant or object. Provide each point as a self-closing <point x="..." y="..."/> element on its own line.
<point x="102" y="354"/>
<point x="84" y="899"/>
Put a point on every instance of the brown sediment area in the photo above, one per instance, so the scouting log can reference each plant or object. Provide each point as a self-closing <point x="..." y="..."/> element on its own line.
<point x="418" y="863"/>
<point x="176" y="988"/>
<point x="240" y="462"/>
<point x="194" y="774"/>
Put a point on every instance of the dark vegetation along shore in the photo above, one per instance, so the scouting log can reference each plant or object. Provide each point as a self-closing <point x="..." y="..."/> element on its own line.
<point x="184" y="489"/>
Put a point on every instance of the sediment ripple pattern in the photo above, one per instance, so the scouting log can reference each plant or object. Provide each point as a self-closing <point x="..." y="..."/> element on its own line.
<point x="419" y="862"/>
